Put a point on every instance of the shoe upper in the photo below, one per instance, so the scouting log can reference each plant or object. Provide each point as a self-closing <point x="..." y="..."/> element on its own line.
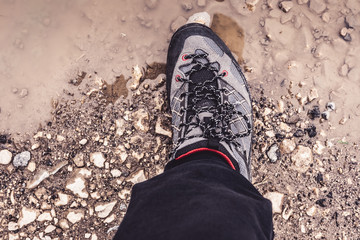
<point x="209" y="98"/>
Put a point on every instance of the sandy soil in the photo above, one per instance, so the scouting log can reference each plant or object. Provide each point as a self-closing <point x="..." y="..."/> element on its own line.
<point x="79" y="125"/>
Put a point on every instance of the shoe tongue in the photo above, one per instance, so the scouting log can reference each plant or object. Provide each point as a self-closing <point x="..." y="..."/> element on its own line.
<point x="199" y="77"/>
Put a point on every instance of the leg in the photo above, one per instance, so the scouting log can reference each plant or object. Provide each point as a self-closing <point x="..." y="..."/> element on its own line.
<point x="200" y="197"/>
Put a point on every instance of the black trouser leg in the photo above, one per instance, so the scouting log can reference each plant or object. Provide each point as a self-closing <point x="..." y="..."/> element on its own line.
<point x="200" y="197"/>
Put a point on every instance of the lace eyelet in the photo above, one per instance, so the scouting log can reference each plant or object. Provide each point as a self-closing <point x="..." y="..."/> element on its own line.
<point x="177" y="78"/>
<point x="225" y="73"/>
<point x="184" y="57"/>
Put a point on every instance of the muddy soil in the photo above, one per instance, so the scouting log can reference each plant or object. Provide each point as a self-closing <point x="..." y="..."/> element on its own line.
<point x="84" y="114"/>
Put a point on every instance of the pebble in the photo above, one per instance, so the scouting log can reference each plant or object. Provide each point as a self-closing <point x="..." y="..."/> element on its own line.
<point x="325" y="115"/>
<point x="115" y="172"/>
<point x="343" y="71"/>
<point x="49" y="229"/>
<point x="83" y="141"/>
<point x="136" y="77"/>
<point x="202" y="18"/>
<point x="311" y="131"/>
<point x="22" y="159"/>
<point x="311" y="211"/>
<point x="151" y="3"/>
<point x="160" y="130"/>
<point x="141" y="118"/>
<point x="60" y="138"/>
<point x="330" y="106"/>
<point x="285" y="127"/>
<point x="43" y="174"/>
<point x="98" y="159"/>
<point x="314" y="113"/>
<point x="120" y="127"/>
<point x="177" y="23"/>
<point x="186" y="5"/>
<point x="13" y="226"/>
<point x="45" y="216"/>
<point x="273" y="153"/>
<point x="79" y="160"/>
<point x="276" y="199"/>
<point x="300" y="2"/>
<point x="318" y="148"/>
<point x="201" y="3"/>
<point x="63" y="200"/>
<point x="23" y="93"/>
<point x="27" y="216"/>
<point x="286" y="6"/>
<point x="5" y="156"/>
<point x="75" y="216"/>
<point x="104" y="209"/>
<point x="77" y="186"/>
<point x="63" y="223"/>
<point x="317" y="6"/>
<point x="137" y="177"/>
<point x="313" y="94"/>
<point x="302" y="158"/>
<point x="287" y="146"/>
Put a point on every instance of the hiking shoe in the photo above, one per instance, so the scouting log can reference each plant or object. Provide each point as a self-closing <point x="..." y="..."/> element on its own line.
<point x="209" y="98"/>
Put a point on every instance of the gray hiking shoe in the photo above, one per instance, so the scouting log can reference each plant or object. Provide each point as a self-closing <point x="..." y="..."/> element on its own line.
<point x="209" y="98"/>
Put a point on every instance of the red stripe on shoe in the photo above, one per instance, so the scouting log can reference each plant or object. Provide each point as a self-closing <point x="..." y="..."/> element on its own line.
<point x="209" y="150"/>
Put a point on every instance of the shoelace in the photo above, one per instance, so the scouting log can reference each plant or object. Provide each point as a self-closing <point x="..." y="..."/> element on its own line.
<point x="218" y="125"/>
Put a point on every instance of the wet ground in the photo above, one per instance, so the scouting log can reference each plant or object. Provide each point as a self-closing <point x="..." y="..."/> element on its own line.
<point x="87" y="130"/>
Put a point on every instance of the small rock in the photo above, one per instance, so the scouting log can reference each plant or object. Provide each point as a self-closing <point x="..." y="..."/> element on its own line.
<point x="343" y="71"/>
<point x="160" y="130"/>
<point x="325" y="115"/>
<point x="311" y="211"/>
<point x="46" y="216"/>
<point x="60" y="138"/>
<point x="273" y="153"/>
<point x="286" y="214"/>
<point x="123" y="207"/>
<point x="186" y="5"/>
<point x="79" y="160"/>
<point x="75" y="216"/>
<point x="177" y="23"/>
<point x="347" y="37"/>
<point x="299" y="133"/>
<point x="23" y="93"/>
<point x="151" y="3"/>
<point x="314" y="112"/>
<point x="319" y="148"/>
<point x="13" y="226"/>
<point x="280" y="106"/>
<point x="63" y="200"/>
<point x="104" y="209"/>
<point x="286" y="6"/>
<point x="63" y="223"/>
<point x="343" y="120"/>
<point x="27" y="216"/>
<point x="83" y="141"/>
<point x="5" y="156"/>
<point x="287" y="146"/>
<point x="22" y="159"/>
<point x="120" y="127"/>
<point x="201" y="17"/>
<point x="77" y="186"/>
<point x="141" y="118"/>
<point x="276" y="199"/>
<point x="137" y="177"/>
<point x="311" y="131"/>
<point x="302" y="158"/>
<point x="35" y="146"/>
<point x="98" y="159"/>
<point x="293" y="119"/>
<point x="300" y="2"/>
<point x="330" y="106"/>
<point x="317" y="6"/>
<point x="313" y="94"/>
<point x="201" y="3"/>
<point x="49" y="229"/>
<point x="136" y="77"/>
<point x="285" y="127"/>
<point x="115" y="172"/>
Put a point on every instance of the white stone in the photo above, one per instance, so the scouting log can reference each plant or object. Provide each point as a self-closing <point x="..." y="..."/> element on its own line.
<point x="318" y="148"/>
<point x="14" y="236"/>
<point x="286" y="6"/>
<point x="98" y="159"/>
<point x="13" y="226"/>
<point x="77" y="186"/>
<point x="75" y="216"/>
<point x="141" y="120"/>
<point x="115" y="172"/>
<point x="50" y="228"/>
<point x="63" y="223"/>
<point x="160" y="130"/>
<point x="137" y="177"/>
<point x="83" y="141"/>
<point x="313" y="94"/>
<point x="35" y="146"/>
<point x="63" y="199"/>
<point x="202" y="18"/>
<point x="276" y="199"/>
<point x="302" y="158"/>
<point x="5" y="156"/>
<point x="317" y="6"/>
<point x="285" y="127"/>
<point x="287" y="146"/>
<point x="45" y="216"/>
<point x="31" y="166"/>
<point x="94" y="237"/>
<point x="120" y="127"/>
<point x="22" y="159"/>
<point x="311" y="211"/>
<point x="136" y="77"/>
<point x="104" y="209"/>
<point x="110" y="218"/>
<point x="27" y="216"/>
<point x="79" y="160"/>
<point x="60" y="138"/>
